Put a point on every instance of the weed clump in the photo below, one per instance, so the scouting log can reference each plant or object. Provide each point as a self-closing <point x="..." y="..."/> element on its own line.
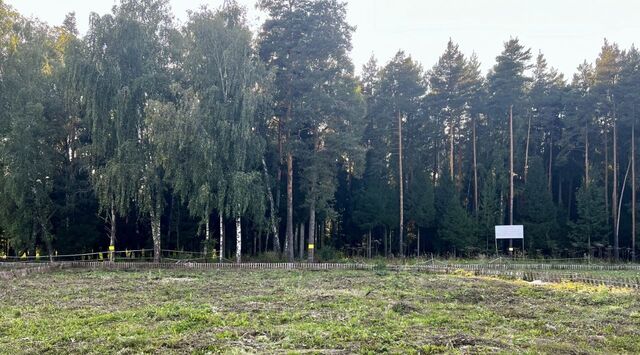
<point x="402" y="308"/>
<point x="380" y="268"/>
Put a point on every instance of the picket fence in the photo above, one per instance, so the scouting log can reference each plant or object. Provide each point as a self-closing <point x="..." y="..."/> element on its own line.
<point x="528" y="272"/>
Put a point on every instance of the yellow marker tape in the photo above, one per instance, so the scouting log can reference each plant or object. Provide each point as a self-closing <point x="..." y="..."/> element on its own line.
<point x="112" y="248"/>
<point x="311" y="246"/>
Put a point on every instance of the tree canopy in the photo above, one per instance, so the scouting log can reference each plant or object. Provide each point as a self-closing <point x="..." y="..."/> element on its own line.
<point x="146" y="133"/>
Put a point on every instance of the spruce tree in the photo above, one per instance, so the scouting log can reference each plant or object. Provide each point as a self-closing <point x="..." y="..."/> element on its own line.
<point x="591" y="224"/>
<point x="538" y="211"/>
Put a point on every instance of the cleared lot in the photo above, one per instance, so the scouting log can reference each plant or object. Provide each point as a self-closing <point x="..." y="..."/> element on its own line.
<point x="162" y="311"/>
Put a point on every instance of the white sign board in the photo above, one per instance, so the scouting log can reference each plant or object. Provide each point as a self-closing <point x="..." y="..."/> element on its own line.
<point x="510" y="232"/>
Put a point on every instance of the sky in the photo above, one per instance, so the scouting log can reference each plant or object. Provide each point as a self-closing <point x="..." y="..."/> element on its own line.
<point x="567" y="32"/>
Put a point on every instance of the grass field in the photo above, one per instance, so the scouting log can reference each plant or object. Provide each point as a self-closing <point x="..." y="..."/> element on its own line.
<point x="242" y="311"/>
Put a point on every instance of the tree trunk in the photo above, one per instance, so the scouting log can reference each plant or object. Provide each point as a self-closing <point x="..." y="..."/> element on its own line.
<point x="280" y="160"/>
<point x="290" y="207"/>
<point x="560" y="191"/>
<point x="606" y="174"/>
<point x="586" y="154"/>
<point x="170" y="218"/>
<point x="320" y="232"/>
<point x="112" y="234"/>
<point x="451" y="147"/>
<point x="47" y="238"/>
<point x="475" y="172"/>
<point x="156" y="235"/>
<point x="238" y="240"/>
<point x="386" y="251"/>
<point x="436" y="156"/>
<point x="221" y="221"/>
<point x="256" y="242"/>
<point x="400" y="184"/>
<point x="550" y="164"/>
<point x="178" y="230"/>
<point x="570" y="198"/>
<point x="369" y="244"/>
<point x="207" y="233"/>
<point x="633" y="190"/>
<point x="286" y="245"/>
<point x="511" y="190"/>
<point x="511" y="172"/>
<point x="526" y="150"/>
<point x="312" y="229"/>
<point x="586" y="175"/>
<point x="614" y="196"/>
<point x="418" y="241"/>
<point x="624" y="182"/>
<point x="296" y="238"/>
<point x="272" y="211"/>
<point x="301" y="241"/>
<point x="458" y="161"/>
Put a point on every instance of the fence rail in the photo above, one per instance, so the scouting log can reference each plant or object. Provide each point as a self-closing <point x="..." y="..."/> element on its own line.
<point x="545" y="273"/>
<point x="540" y="266"/>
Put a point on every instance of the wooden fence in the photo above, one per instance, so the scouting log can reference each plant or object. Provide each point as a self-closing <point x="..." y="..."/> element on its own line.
<point x="540" y="266"/>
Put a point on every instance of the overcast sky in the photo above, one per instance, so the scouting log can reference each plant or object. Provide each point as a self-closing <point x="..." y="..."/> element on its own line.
<point x="566" y="31"/>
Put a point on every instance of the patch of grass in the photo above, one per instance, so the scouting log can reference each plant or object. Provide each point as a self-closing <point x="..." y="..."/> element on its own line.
<point x="247" y="311"/>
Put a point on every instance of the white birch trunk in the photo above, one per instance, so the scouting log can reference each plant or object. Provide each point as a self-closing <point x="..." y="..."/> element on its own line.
<point x="221" y="238"/>
<point x="207" y="233"/>
<point x="238" y="240"/>
<point x="156" y="233"/>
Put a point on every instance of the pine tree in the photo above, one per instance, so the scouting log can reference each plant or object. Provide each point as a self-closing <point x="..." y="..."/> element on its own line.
<point x="398" y="104"/>
<point x="450" y="85"/>
<point x="506" y="84"/>
<point x="607" y="71"/>
<point x="306" y="43"/>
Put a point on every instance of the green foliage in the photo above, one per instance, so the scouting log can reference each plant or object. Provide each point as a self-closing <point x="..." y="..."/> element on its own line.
<point x="420" y="200"/>
<point x="455" y="227"/>
<point x="328" y="254"/>
<point x="32" y="127"/>
<point x="591" y="225"/>
<point x="538" y="211"/>
<point x="139" y="112"/>
<point x="507" y="79"/>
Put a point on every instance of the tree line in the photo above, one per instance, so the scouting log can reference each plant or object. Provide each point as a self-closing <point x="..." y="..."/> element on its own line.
<point x="143" y="133"/>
